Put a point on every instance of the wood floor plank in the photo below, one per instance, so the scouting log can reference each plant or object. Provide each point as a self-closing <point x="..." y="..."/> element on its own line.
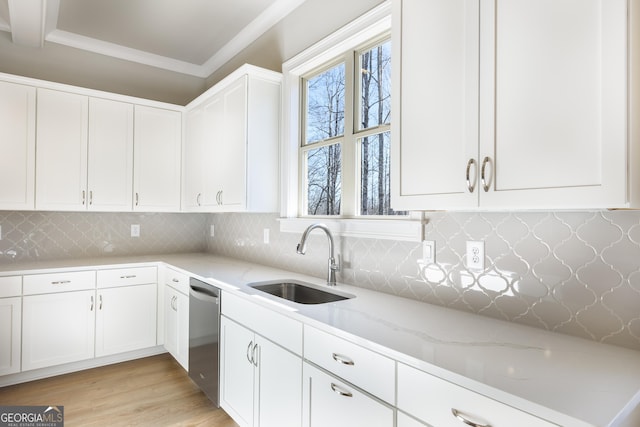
<point x="153" y="391"/>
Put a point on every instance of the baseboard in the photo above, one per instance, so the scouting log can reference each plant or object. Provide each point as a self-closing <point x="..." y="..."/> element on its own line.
<point x="52" y="371"/>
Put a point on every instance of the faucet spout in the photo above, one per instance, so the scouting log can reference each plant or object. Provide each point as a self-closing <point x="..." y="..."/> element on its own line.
<point x="332" y="264"/>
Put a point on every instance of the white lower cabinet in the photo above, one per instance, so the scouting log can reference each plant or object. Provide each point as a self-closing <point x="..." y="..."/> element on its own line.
<point x="10" y="324"/>
<point x="404" y="420"/>
<point x="176" y="325"/>
<point x="328" y="401"/>
<point x="126" y="310"/>
<point x="440" y="403"/>
<point x="57" y="328"/>
<point x="260" y="381"/>
<point x="176" y="315"/>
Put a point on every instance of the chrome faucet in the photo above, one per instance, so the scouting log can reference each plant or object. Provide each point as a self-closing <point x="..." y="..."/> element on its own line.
<point x="333" y="265"/>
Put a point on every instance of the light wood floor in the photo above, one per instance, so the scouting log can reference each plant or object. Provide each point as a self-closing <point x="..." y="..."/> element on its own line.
<point x="153" y="391"/>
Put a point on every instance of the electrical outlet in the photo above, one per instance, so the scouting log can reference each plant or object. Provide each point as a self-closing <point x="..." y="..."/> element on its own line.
<point x="212" y="231"/>
<point x="266" y="236"/>
<point x="135" y="230"/>
<point x="428" y="251"/>
<point x="475" y="255"/>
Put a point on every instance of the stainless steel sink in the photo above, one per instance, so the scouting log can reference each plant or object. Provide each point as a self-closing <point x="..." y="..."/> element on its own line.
<point x="302" y="293"/>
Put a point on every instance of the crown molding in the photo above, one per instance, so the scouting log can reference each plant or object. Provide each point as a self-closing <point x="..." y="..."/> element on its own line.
<point x="267" y="19"/>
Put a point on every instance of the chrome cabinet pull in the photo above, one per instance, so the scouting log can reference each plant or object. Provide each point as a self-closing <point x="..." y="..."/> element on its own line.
<point x="84" y="197"/>
<point x="340" y="390"/>
<point x="174" y="280"/>
<point x="460" y="416"/>
<point x="137" y="199"/>
<point x="250" y="356"/>
<point x="174" y="300"/>
<point x="91" y="306"/>
<point x="342" y="359"/>
<point x="485" y="184"/>
<point x="130" y="276"/>
<point x="471" y="187"/>
<point x="91" y="197"/>
<point x="255" y="350"/>
<point x="61" y="282"/>
<point x="198" y="199"/>
<point x="100" y="303"/>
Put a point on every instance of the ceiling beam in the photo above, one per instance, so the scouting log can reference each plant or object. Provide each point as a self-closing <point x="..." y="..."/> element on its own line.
<point x="32" y="20"/>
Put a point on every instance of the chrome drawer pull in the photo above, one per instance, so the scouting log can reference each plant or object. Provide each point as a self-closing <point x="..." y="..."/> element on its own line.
<point x="174" y="280"/>
<point x="131" y="276"/>
<point x="340" y="391"/>
<point x="461" y="416"/>
<point x="61" y="282"/>
<point x="343" y="359"/>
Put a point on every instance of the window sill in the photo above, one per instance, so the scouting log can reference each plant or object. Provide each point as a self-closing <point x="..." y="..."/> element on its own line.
<point x="410" y="229"/>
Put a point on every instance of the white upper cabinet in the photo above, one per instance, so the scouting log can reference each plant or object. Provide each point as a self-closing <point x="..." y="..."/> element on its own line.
<point x="516" y="104"/>
<point x="17" y="145"/>
<point x="84" y="153"/>
<point x="157" y="151"/>
<point x="61" y="155"/>
<point x="231" y="147"/>
<point x="110" y="170"/>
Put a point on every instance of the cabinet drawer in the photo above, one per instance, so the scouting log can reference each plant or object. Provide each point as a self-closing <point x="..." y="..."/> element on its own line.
<point x="58" y="282"/>
<point x="126" y="276"/>
<point x="178" y="281"/>
<point x="434" y="401"/>
<point x="362" y="367"/>
<point x="327" y="401"/>
<point x="10" y="286"/>
<point x="271" y="325"/>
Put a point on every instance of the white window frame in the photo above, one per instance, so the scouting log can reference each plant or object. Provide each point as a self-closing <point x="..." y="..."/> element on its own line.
<point x="351" y="37"/>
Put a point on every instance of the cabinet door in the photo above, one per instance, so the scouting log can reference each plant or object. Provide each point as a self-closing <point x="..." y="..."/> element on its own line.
<point x="61" y="157"/>
<point x="157" y="151"/>
<point x="553" y="103"/>
<point x="232" y="149"/>
<point x="237" y="372"/>
<point x="280" y="379"/>
<point x="10" y="327"/>
<point x="17" y="145"/>
<point x="110" y="181"/>
<point x="435" y="130"/>
<point x="176" y="325"/>
<point x="125" y="319"/>
<point x="194" y="160"/>
<point x="57" y="328"/>
<point x="328" y="401"/>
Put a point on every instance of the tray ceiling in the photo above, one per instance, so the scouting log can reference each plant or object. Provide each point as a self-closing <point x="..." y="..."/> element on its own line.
<point x="189" y="36"/>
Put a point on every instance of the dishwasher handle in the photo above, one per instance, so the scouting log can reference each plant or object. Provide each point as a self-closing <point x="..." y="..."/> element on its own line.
<point x="204" y="294"/>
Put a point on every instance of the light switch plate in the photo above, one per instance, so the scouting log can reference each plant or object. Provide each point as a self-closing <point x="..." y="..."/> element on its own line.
<point x="475" y="255"/>
<point x="428" y="251"/>
<point x="135" y="230"/>
<point x="211" y="231"/>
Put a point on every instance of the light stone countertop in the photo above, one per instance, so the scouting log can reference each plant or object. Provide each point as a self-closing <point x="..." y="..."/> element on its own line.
<point x="566" y="380"/>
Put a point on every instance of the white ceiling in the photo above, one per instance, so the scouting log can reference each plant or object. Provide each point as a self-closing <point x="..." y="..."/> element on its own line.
<point x="193" y="37"/>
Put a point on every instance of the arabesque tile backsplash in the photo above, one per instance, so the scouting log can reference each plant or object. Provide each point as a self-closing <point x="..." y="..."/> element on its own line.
<point x="576" y="273"/>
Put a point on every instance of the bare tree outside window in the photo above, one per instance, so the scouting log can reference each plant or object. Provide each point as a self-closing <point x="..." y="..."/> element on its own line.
<point x="368" y="93"/>
<point x="375" y="110"/>
<point x="324" y="121"/>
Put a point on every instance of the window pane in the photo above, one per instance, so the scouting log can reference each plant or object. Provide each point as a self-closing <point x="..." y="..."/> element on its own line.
<point x="324" y="180"/>
<point x="375" y="194"/>
<point x="375" y="86"/>
<point x="325" y="105"/>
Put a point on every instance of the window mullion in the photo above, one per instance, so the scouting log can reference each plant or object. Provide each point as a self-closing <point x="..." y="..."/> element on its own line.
<point x="349" y="155"/>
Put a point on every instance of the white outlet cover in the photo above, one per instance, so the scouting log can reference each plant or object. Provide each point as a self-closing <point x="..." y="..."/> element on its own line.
<point x="212" y="231"/>
<point x="475" y="255"/>
<point x="266" y="236"/>
<point x="135" y="230"/>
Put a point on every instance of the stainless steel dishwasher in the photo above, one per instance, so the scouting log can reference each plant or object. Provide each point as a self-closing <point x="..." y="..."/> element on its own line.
<point x="204" y="337"/>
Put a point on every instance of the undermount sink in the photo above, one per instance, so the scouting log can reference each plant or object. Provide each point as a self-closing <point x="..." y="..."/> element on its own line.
<point x="299" y="292"/>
